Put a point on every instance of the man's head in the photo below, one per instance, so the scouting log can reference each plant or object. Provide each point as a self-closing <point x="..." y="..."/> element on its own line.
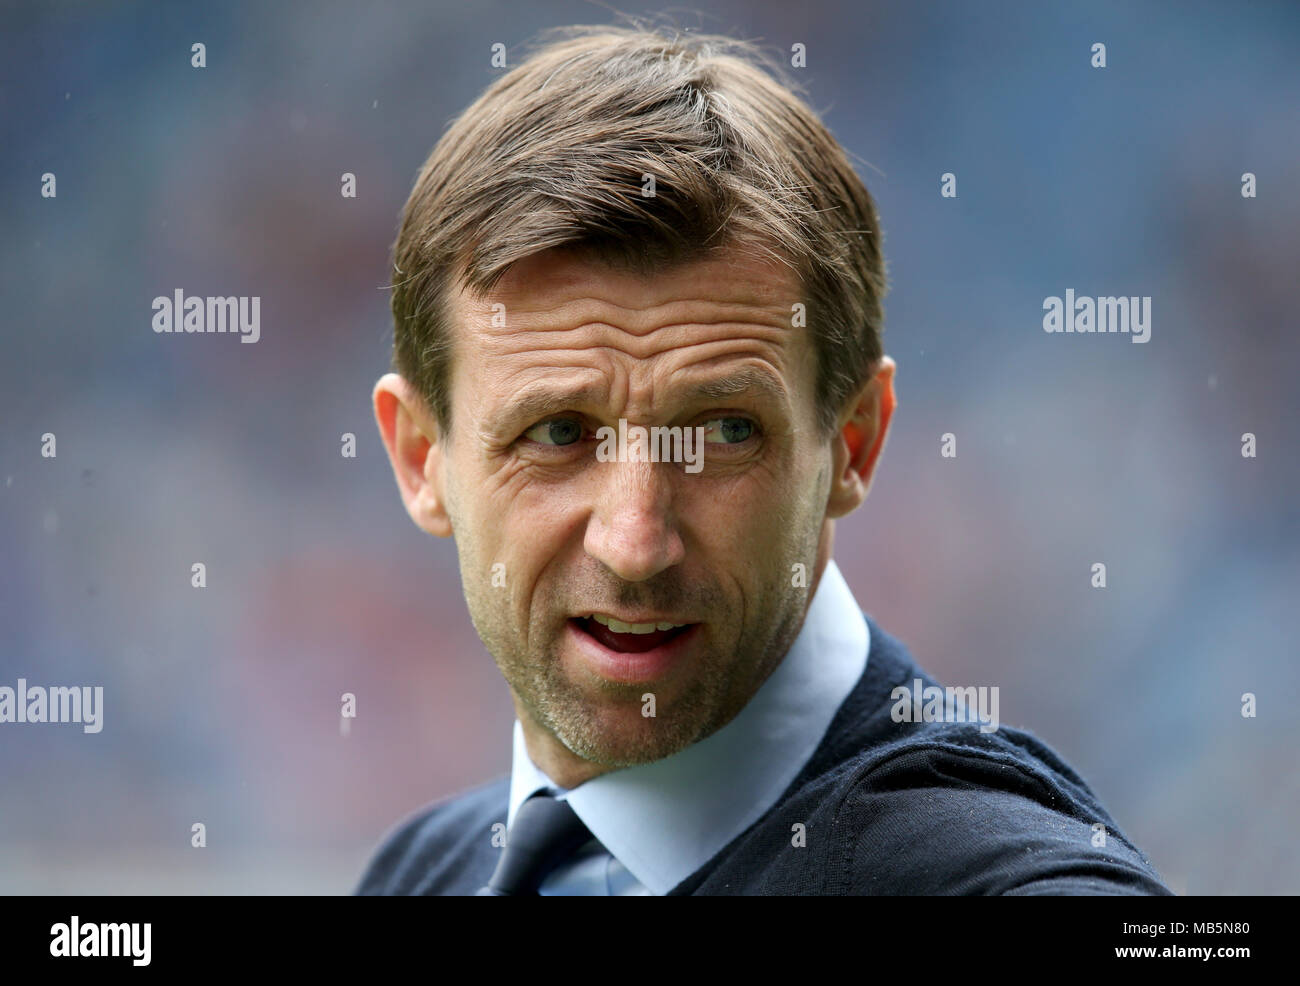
<point x="638" y="229"/>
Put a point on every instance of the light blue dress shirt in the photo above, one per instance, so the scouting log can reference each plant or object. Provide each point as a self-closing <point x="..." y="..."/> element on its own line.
<point x="657" y="823"/>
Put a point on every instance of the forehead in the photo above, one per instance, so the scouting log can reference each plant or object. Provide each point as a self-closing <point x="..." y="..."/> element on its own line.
<point x="557" y="275"/>
<point x="562" y="313"/>
<point x="562" y="289"/>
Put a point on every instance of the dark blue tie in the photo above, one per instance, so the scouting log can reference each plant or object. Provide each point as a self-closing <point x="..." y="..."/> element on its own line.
<point x="544" y="833"/>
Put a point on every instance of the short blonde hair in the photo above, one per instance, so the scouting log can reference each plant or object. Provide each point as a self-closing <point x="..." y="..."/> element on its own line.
<point x="553" y="155"/>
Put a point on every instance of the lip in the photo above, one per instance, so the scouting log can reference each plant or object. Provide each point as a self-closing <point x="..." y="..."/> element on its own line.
<point x="625" y="667"/>
<point x="676" y="621"/>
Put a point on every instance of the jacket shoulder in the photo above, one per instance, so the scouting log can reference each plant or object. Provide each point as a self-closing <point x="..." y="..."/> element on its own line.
<point x="959" y="811"/>
<point x="944" y="810"/>
<point x="896" y="807"/>
<point x="443" y="848"/>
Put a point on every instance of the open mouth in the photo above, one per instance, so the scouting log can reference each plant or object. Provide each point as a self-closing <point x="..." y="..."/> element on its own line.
<point x="636" y="641"/>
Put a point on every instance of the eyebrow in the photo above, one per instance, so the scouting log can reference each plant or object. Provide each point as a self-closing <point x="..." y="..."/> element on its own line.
<point x="537" y="404"/>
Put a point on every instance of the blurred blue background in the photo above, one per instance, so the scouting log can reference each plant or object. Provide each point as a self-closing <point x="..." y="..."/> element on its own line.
<point x="222" y="705"/>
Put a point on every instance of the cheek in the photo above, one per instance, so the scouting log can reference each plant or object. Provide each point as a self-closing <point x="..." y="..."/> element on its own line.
<point x="788" y="511"/>
<point x="529" y="526"/>
<point x="738" y="520"/>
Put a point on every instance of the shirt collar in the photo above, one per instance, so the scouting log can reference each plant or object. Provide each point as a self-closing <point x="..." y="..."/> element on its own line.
<point x="666" y="819"/>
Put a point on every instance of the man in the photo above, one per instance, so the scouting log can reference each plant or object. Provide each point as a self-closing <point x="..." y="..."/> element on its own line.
<point x="630" y="234"/>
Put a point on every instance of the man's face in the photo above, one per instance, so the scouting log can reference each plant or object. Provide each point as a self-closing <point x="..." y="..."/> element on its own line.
<point x="549" y="535"/>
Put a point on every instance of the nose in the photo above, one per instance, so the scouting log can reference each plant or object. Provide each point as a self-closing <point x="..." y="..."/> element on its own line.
<point x="633" y="529"/>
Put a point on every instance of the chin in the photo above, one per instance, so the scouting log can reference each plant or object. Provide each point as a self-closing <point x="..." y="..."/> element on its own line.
<point x="626" y="738"/>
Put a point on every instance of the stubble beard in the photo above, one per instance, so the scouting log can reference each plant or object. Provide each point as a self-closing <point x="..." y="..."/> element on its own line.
<point x="603" y="722"/>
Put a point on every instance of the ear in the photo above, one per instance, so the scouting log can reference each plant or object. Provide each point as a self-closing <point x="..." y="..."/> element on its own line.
<point x="857" y="446"/>
<point x="412" y="440"/>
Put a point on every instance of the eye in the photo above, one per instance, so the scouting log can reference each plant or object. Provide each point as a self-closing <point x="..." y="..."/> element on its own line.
<point x="733" y="431"/>
<point x="556" y="431"/>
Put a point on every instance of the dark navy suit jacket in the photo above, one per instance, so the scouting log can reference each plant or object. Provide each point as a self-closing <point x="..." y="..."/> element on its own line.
<point x="887" y="808"/>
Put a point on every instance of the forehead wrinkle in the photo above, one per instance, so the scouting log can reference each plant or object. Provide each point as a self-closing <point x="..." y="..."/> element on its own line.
<point x="747" y="281"/>
<point x="586" y="312"/>
<point x="602" y="340"/>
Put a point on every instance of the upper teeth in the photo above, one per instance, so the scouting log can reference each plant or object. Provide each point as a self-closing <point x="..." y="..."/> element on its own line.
<point x="618" y="626"/>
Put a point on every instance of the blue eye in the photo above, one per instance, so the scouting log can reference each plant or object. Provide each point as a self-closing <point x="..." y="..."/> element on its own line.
<point x="557" y="431"/>
<point x="733" y="430"/>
